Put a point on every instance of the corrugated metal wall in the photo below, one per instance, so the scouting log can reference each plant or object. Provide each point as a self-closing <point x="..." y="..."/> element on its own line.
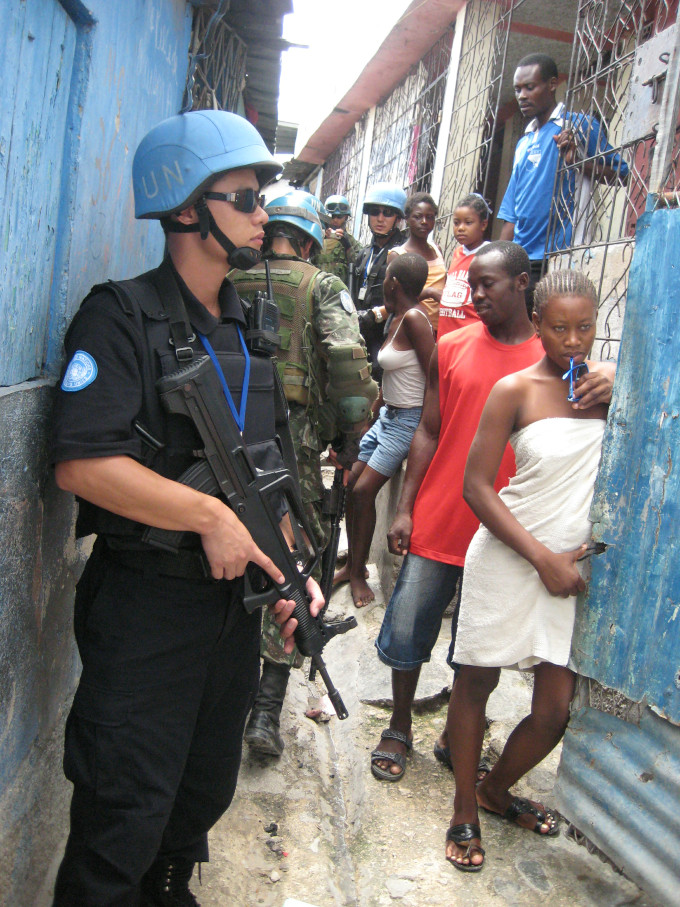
<point x="619" y="781"/>
<point x="628" y="635"/>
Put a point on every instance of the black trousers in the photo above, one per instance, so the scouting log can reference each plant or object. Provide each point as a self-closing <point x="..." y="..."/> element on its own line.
<point x="153" y="740"/>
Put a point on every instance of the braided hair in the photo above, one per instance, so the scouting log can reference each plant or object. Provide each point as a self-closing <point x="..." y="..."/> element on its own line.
<point x="566" y="282"/>
<point x="478" y="204"/>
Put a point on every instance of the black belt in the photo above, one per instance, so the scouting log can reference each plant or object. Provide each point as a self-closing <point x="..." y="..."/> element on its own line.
<point x="184" y="564"/>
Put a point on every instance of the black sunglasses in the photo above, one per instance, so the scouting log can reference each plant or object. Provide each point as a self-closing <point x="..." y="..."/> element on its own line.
<point x="375" y="210"/>
<point x="244" y="200"/>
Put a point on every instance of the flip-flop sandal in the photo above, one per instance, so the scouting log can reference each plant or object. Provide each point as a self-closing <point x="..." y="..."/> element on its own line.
<point x="483" y="769"/>
<point x="399" y="759"/>
<point x="443" y="754"/>
<point x="519" y="806"/>
<point x="461" y="834"/>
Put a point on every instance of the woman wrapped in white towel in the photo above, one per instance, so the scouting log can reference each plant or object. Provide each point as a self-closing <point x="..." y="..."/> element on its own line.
<point x="521" y="571"/>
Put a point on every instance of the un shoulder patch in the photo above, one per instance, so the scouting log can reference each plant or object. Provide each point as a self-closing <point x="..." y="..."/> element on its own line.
<point x="81" y="371"/>
<point x="347" y="303"/>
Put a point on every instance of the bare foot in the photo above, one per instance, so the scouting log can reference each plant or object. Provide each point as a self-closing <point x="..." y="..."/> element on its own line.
<point x="362" y="594"/>
<point x="525" y="813"/>
<point x="342" y="576"/>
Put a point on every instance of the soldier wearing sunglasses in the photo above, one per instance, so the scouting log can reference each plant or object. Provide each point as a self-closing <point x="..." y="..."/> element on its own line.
<point x="169" y="654"/>
<point x="384" y="207"/>
<point x="340" y="248"/>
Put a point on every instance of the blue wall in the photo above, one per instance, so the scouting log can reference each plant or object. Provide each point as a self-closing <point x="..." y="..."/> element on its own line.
<point x="628" y="635"/>
<point x="619" y="779"/>
<point x="91" y="78"/>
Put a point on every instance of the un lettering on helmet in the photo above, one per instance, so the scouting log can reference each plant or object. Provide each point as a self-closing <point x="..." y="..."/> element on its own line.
<point x="180" y="157"/>
<point x="167" y="173"/>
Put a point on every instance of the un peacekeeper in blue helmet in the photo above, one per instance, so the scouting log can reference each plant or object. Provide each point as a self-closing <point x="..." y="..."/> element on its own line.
<point x="340" y="248"/>
<point x="169" y="655"/>
<point x="384" y="206"/>
<point x="326" y="379"/>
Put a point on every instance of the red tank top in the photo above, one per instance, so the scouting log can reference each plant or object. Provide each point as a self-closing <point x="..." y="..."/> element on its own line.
<point x="470" y="363"/>
<point x="456" y="309"/>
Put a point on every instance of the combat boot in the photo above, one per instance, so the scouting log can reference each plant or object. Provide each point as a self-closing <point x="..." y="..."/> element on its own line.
<point x="262" y="730"/>
<point x="166" y="884"/>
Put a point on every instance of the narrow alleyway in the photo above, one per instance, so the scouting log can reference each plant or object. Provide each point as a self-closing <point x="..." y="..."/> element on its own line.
<point x="343" y="838"/>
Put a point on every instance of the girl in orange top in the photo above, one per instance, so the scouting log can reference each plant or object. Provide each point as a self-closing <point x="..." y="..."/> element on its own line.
<point x="470" y="220"/>
<point x="421" y="213"/>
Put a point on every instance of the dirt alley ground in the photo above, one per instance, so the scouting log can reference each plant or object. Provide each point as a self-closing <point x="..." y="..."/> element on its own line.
<point x="315" y="826"/>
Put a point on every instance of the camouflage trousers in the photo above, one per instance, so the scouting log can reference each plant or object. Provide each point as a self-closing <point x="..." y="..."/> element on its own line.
<point x="311" y="484"/>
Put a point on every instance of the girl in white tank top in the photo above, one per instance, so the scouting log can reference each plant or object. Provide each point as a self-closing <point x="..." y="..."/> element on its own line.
<point x="405" y="357"/>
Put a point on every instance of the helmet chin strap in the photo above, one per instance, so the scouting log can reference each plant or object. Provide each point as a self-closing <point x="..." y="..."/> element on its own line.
<point x="389" y="232"/>
<point x="243" y="258"/>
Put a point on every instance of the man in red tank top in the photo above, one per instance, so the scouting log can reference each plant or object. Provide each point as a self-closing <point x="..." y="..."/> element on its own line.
<point x="433" y="526"/>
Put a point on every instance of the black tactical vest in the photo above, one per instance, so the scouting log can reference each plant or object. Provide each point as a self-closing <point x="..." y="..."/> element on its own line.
<point x="140" y="300"/>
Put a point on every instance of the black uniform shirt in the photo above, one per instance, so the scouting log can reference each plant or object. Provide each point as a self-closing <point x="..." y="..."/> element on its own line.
<point x="104" y="354"/>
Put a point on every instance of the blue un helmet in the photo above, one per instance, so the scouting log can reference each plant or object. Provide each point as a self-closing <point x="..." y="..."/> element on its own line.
<point x="178" y="160"/>
<point x="389" y="195"/>
<point x="299" y="209"/>
<point x="338" y="206"/>
<point x="320" y="208"/>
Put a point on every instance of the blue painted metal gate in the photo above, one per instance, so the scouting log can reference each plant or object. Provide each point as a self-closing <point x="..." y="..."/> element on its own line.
<point x="619" y="781"/>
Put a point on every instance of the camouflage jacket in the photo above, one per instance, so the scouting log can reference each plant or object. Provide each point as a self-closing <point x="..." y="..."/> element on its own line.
<point x="334" y="258"/>
<point x="334" y="322"/>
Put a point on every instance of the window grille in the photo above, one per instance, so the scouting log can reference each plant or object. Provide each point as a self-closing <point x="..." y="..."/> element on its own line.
<point x="407" y="122"/>
<point x="405" y="132"/>
<point x="342" y="170"/>
<point x="475" y="111"/>
<point x="620" y="52"/>
<point x="220" y="74"/>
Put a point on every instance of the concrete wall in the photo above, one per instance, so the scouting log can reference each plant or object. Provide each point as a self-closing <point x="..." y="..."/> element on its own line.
<point x="122" y="71"/>
<point x="385" y="507"/>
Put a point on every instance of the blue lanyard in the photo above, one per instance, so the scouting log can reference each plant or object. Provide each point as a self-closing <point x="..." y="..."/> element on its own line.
<point x="369" y="261"/>
<point x="239" y="417"/>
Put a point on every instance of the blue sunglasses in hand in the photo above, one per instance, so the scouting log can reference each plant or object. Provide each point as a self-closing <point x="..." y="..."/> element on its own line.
<point x="572" y="375"/>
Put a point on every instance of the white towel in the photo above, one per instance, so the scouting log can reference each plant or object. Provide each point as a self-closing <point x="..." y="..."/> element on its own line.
<point x="507" y="616"/>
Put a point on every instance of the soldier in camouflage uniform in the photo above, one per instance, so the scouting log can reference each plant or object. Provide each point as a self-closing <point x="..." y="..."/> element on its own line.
<point x="340" y="248"/>
<point x="326" y="379"/>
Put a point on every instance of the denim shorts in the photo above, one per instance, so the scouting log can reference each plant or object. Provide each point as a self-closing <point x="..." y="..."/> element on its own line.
<point x="414" y="614"/>
<point x="385" y="445"/>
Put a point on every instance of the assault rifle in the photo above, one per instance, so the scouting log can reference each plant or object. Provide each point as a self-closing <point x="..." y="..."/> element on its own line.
<point x="334" y="507"/>
<point x="227" y="470"/>
<point x="352" y="279"/>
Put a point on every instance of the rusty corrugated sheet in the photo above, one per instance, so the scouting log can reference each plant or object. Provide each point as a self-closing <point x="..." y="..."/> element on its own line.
<point x="620" y="785"/>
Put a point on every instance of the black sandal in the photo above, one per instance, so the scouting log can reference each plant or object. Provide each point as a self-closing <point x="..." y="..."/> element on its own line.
<point x="519" y="806"/>
<point x="443" y="754"/>
<point x="461" y="834"/>
<point x="399" y="759"/>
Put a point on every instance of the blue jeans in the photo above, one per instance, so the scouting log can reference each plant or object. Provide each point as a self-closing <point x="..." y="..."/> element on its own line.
<point x="414" y="614"/>
<point x="385" y="445"/>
